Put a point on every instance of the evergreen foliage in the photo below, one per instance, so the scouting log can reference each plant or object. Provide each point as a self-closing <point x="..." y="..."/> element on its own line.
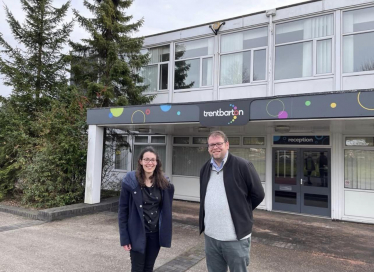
<point x="43" y="134"/>
<point x="106" y="66"/>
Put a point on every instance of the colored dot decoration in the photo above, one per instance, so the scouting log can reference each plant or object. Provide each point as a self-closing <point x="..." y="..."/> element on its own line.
<point x="165" y="108"/>
<point x="236" y="113"/>
<point x="283" y="115"/>
<point x="307" y="103"/>
<point x="333" y="105"/>
<point x="147" y="111"/>
<point x="178" y="113"/>
<point x="116" y="112"/>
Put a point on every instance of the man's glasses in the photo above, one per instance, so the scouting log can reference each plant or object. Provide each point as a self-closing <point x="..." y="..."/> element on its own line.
<point x="216" y="145"/>
<point x="146" y="160"/>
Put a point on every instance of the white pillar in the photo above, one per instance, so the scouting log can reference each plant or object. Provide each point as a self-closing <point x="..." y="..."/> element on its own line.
<point x="337" y="170"/>
<point x="271" y="49"/>
<point x="269" y="171"/>
<point x="338" y="61"/>
<point x="94" y="164"/>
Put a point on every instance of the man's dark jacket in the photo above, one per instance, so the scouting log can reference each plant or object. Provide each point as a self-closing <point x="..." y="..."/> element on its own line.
<point x="130" y="215"/>
<point x="244" y="192"/>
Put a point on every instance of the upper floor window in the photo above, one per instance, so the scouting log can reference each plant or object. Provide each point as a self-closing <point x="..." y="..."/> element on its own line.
<point x="358" y="40"/>
<point x="303" y="48"/>
<point x="243" y="56"/>
<point x="155" y="74"/>
<point x="194" y="64"/>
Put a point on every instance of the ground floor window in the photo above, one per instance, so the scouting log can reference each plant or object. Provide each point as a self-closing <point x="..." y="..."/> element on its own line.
<point x="359" y="162"/>
<point x="190" y="153"/>
<point x="157" y="142"/>
<point x="358" y="169"/>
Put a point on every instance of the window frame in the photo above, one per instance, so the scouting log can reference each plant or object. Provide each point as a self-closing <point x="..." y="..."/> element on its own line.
<point x="251" y="82"/>
<point x="158" y="70"/>
<point x="345" y="147"/>
<point x="148" y="143"/>
<point x="240" y="145"/>
<point x="200" y="64"/>
<point x="129" y="156"/>
<point x="351" y="34"/>
<point x="314" y="50"/>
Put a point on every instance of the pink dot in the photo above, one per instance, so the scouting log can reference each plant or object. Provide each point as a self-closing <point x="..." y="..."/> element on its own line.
<point x="235" y="108"/>
<point x="283" y="115"/>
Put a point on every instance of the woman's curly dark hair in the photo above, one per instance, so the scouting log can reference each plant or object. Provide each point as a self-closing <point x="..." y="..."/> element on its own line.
<point x="158" y="177"/>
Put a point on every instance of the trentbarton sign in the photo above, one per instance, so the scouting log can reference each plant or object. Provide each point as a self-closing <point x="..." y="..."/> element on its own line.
<point x="301" y="140"/>
<point x="234" y="113"/>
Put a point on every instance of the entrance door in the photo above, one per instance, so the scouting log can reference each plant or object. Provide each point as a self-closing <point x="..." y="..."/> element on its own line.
<point x="301" y="180"/>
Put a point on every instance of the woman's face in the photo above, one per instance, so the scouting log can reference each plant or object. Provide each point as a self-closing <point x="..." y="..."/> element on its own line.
<point x="149" y="162"/>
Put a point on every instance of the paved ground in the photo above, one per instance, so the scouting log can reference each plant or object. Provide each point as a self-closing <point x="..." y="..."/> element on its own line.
<point x="281" y="242"/>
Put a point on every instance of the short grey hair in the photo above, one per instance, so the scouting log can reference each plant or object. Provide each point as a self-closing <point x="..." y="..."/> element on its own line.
<point x="218" y="133"/>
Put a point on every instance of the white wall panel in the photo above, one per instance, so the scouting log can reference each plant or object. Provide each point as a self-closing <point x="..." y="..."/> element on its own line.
<point x="304" y="86"/>
<point x="299" y="10"/>
<point x="193" y="96"/>
<point x="333" y="4"/>
<point x="358" y="82"/>
<point x="242" y="92"/>
<point x="359" y="204"/>
<point x="255" y="19"/>
<point x="186" y="188"/>
<point x="161" y="98"/>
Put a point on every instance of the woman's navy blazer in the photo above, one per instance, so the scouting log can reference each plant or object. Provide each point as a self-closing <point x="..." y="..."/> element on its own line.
<point x="130" y="214"/>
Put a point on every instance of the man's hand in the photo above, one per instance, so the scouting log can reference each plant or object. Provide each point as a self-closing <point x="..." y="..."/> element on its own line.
<point x="127" y="247"/>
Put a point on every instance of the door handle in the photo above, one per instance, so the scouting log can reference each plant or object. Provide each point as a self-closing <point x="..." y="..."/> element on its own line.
<point x="301" y="181"/>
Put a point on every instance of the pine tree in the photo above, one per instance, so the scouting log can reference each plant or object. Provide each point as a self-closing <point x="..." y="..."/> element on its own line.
<point x="36" y="69"/>
<point x="106" y="66"/>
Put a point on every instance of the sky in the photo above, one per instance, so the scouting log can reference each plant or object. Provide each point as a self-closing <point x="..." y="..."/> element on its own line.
<point x="159" y="15"/>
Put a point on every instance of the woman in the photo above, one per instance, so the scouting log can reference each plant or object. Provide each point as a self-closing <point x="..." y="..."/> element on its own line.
<point x="145" y="211"/>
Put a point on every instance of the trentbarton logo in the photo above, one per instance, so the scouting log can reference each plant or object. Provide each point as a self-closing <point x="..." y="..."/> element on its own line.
<point x="235" y="112"/>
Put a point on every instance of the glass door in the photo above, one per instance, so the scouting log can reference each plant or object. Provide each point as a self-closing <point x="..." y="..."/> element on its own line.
<point x="286" y="188"/>
<point x="315" y="182"/>
<point x="301" y="180"/>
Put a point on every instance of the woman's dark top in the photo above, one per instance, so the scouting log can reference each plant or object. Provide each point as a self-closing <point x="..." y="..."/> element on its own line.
<point x="151" y="208"/>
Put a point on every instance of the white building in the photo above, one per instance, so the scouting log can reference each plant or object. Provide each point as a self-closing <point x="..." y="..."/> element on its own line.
<point x="291" y="87"/>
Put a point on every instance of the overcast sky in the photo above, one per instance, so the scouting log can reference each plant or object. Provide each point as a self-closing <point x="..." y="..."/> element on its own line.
<point x="159" y="15"/>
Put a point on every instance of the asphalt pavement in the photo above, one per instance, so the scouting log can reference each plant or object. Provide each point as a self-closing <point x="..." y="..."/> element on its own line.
<point x="281" y="242"/>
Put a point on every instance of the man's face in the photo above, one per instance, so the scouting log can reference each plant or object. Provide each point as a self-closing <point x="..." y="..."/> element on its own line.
<point x="217" y="147"/>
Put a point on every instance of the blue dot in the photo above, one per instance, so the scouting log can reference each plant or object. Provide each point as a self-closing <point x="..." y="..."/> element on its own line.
<point x="179" y="113"/>
<point x="276" y="138"/>
<point x="165" y="108"/>
<point x="110" y="115"/>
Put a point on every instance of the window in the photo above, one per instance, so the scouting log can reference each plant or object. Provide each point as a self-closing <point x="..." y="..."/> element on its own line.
<point x="358" y="169"/>
<point x="239" y="53"/>
<point x="358" y="40"/>
<point x="155" y="74"/>
<point x="295" y="43"/>
<point x="189" y="158"/>
<point x="157" y="142"/>
<point x="194" y="64"/>
<point x="359" y="141"/>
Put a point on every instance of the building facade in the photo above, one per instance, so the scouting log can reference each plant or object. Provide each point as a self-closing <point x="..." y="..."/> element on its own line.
<point x="291" y="87"/>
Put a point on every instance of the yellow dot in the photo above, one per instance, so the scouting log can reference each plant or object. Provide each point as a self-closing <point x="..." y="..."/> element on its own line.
<point x="235" y="117"/>
<point x="333" y="105"/>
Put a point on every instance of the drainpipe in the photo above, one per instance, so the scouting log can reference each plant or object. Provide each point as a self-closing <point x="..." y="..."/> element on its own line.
<point x="270" y="88"/>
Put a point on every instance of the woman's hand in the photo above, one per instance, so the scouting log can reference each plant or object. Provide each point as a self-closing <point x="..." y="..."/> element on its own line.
<point x="127" y="247"/>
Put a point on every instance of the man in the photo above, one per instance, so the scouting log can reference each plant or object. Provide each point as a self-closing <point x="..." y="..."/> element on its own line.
<point x="230" y="189"/>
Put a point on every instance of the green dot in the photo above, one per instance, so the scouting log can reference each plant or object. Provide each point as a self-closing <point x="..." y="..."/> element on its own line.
<point x="307" y="103"/>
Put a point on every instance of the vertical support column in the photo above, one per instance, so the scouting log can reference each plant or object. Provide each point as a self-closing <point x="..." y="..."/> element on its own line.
<point x="337" y="171"/>
<point x="269" y="171"/>
<point x="270" y="74"/>
<point x="216" y="68"/>
<point x="338" y="50"/>
<point x="94" y="164"/>
<point x="169" y="156"/>
<point x="171" y="73"/>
